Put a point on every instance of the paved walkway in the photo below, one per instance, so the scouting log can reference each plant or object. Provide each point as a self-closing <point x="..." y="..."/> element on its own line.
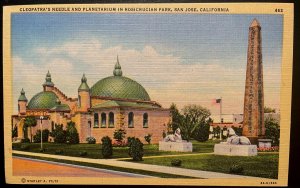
<point x="139" y="166"/>
<point x="35" y="167"/>
<point x="161" y="156"/>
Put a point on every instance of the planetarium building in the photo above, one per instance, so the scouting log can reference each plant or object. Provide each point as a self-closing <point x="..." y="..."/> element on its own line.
<point x="112" y="103"/>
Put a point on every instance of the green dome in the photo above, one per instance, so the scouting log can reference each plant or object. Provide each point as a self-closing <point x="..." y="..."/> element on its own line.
<point x="119" y="87"/>
<point x="43" y="100"/>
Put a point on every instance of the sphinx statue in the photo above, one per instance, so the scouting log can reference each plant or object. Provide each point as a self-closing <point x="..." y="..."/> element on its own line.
<point x="176" y="137"/>
<point x="234" y="139"/>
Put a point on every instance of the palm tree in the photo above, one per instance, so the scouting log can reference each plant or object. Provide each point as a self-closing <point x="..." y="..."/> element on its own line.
<point x="30" y="121"/>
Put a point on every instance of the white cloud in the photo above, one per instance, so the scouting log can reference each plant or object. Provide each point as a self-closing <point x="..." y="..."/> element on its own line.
<point x="166" y="78"/>
<point x="27" y="76"/>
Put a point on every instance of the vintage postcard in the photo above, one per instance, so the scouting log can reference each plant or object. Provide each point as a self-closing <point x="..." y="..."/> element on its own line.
<point x="148" y="94"/>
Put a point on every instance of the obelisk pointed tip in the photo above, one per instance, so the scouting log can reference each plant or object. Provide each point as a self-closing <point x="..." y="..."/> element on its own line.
<point x="255" y="23"/>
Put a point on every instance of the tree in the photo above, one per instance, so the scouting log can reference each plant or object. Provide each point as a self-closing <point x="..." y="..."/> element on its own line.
<point x="136" y="150"/>
<point x="238" y="130"/>
<point x="214" y="132"/>
<point x="119" y="135"/>
<point x="107" y="150"/>
<point x="30" y="122"/>
<point x="164" y="134"/>
<point x="201" y="133"/>
<point x="72" y="134"/>
<point x="25" y="132"/>
<point x="272" y="130"/>
<point x="269" y="110"/>
<point x="176" y="117"/>
<point x="193" y="117"/>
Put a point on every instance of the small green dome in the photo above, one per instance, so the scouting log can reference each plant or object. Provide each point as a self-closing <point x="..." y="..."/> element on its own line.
<point x="43" y="100"/>
<point x="48" y="81"/>
<point x="118" y="70"/>
<point x="83" y="86"/>
<point x="22" y="96"/>
<point x="119" y="86"/>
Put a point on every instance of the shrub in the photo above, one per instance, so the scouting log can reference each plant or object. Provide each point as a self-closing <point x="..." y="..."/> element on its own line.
<point x="83" y="153"/>
<point x="25" y="140"/>
<point x="14" y="132"/>
<point x="224" y="137"/>
<point x="59" y="134"/>
<point x="148" y="138"/>
<point x="107" y="149"/>
<point x="236" y="169"/>
<point x="91" y="140"/>
<point x="42" y="150"/>
<point x="119" y="135"/>
<point x="25" y="147"/>
<point x="176" y="162"/>
<point x="136" y="150"/>
<point x="59" y="151"/>
<point x="37" y="136"/>
<point x="45" y="135"/>
<point x="129" y="140"/>
<point x="71" y="133"/>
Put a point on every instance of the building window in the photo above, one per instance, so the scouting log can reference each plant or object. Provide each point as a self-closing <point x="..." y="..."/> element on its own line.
<point x="79" y="100"/>
<point x="145" y="120"/>
<point x="235" y="119"/>
<point x="111" y="120"/>
<point x="103" y="119"/>
<point x="222" y="120"/>
<point x="96" y="120"/>
<point x="18" y="108"/>
<point x="130" y="119"/>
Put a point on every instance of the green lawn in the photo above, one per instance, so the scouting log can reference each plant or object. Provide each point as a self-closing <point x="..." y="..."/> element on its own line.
<point x="264" y="165"/>
<point x="94" y="150"/>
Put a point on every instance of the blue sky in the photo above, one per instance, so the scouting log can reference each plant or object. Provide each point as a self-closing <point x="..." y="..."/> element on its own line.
<point x="186" y="58"/>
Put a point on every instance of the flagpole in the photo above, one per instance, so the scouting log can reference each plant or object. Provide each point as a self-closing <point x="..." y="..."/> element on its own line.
<point x="221" y="110"/>
<point x="221" y="118"/>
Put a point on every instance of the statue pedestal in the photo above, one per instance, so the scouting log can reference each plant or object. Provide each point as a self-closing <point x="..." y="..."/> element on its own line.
<point x="264" y="143"/>
<point x="235" y="150"/>
<point x="176" y="146"/>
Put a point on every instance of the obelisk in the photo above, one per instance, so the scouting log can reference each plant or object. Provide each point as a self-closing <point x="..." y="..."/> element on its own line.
<point x="253" y="124"/>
